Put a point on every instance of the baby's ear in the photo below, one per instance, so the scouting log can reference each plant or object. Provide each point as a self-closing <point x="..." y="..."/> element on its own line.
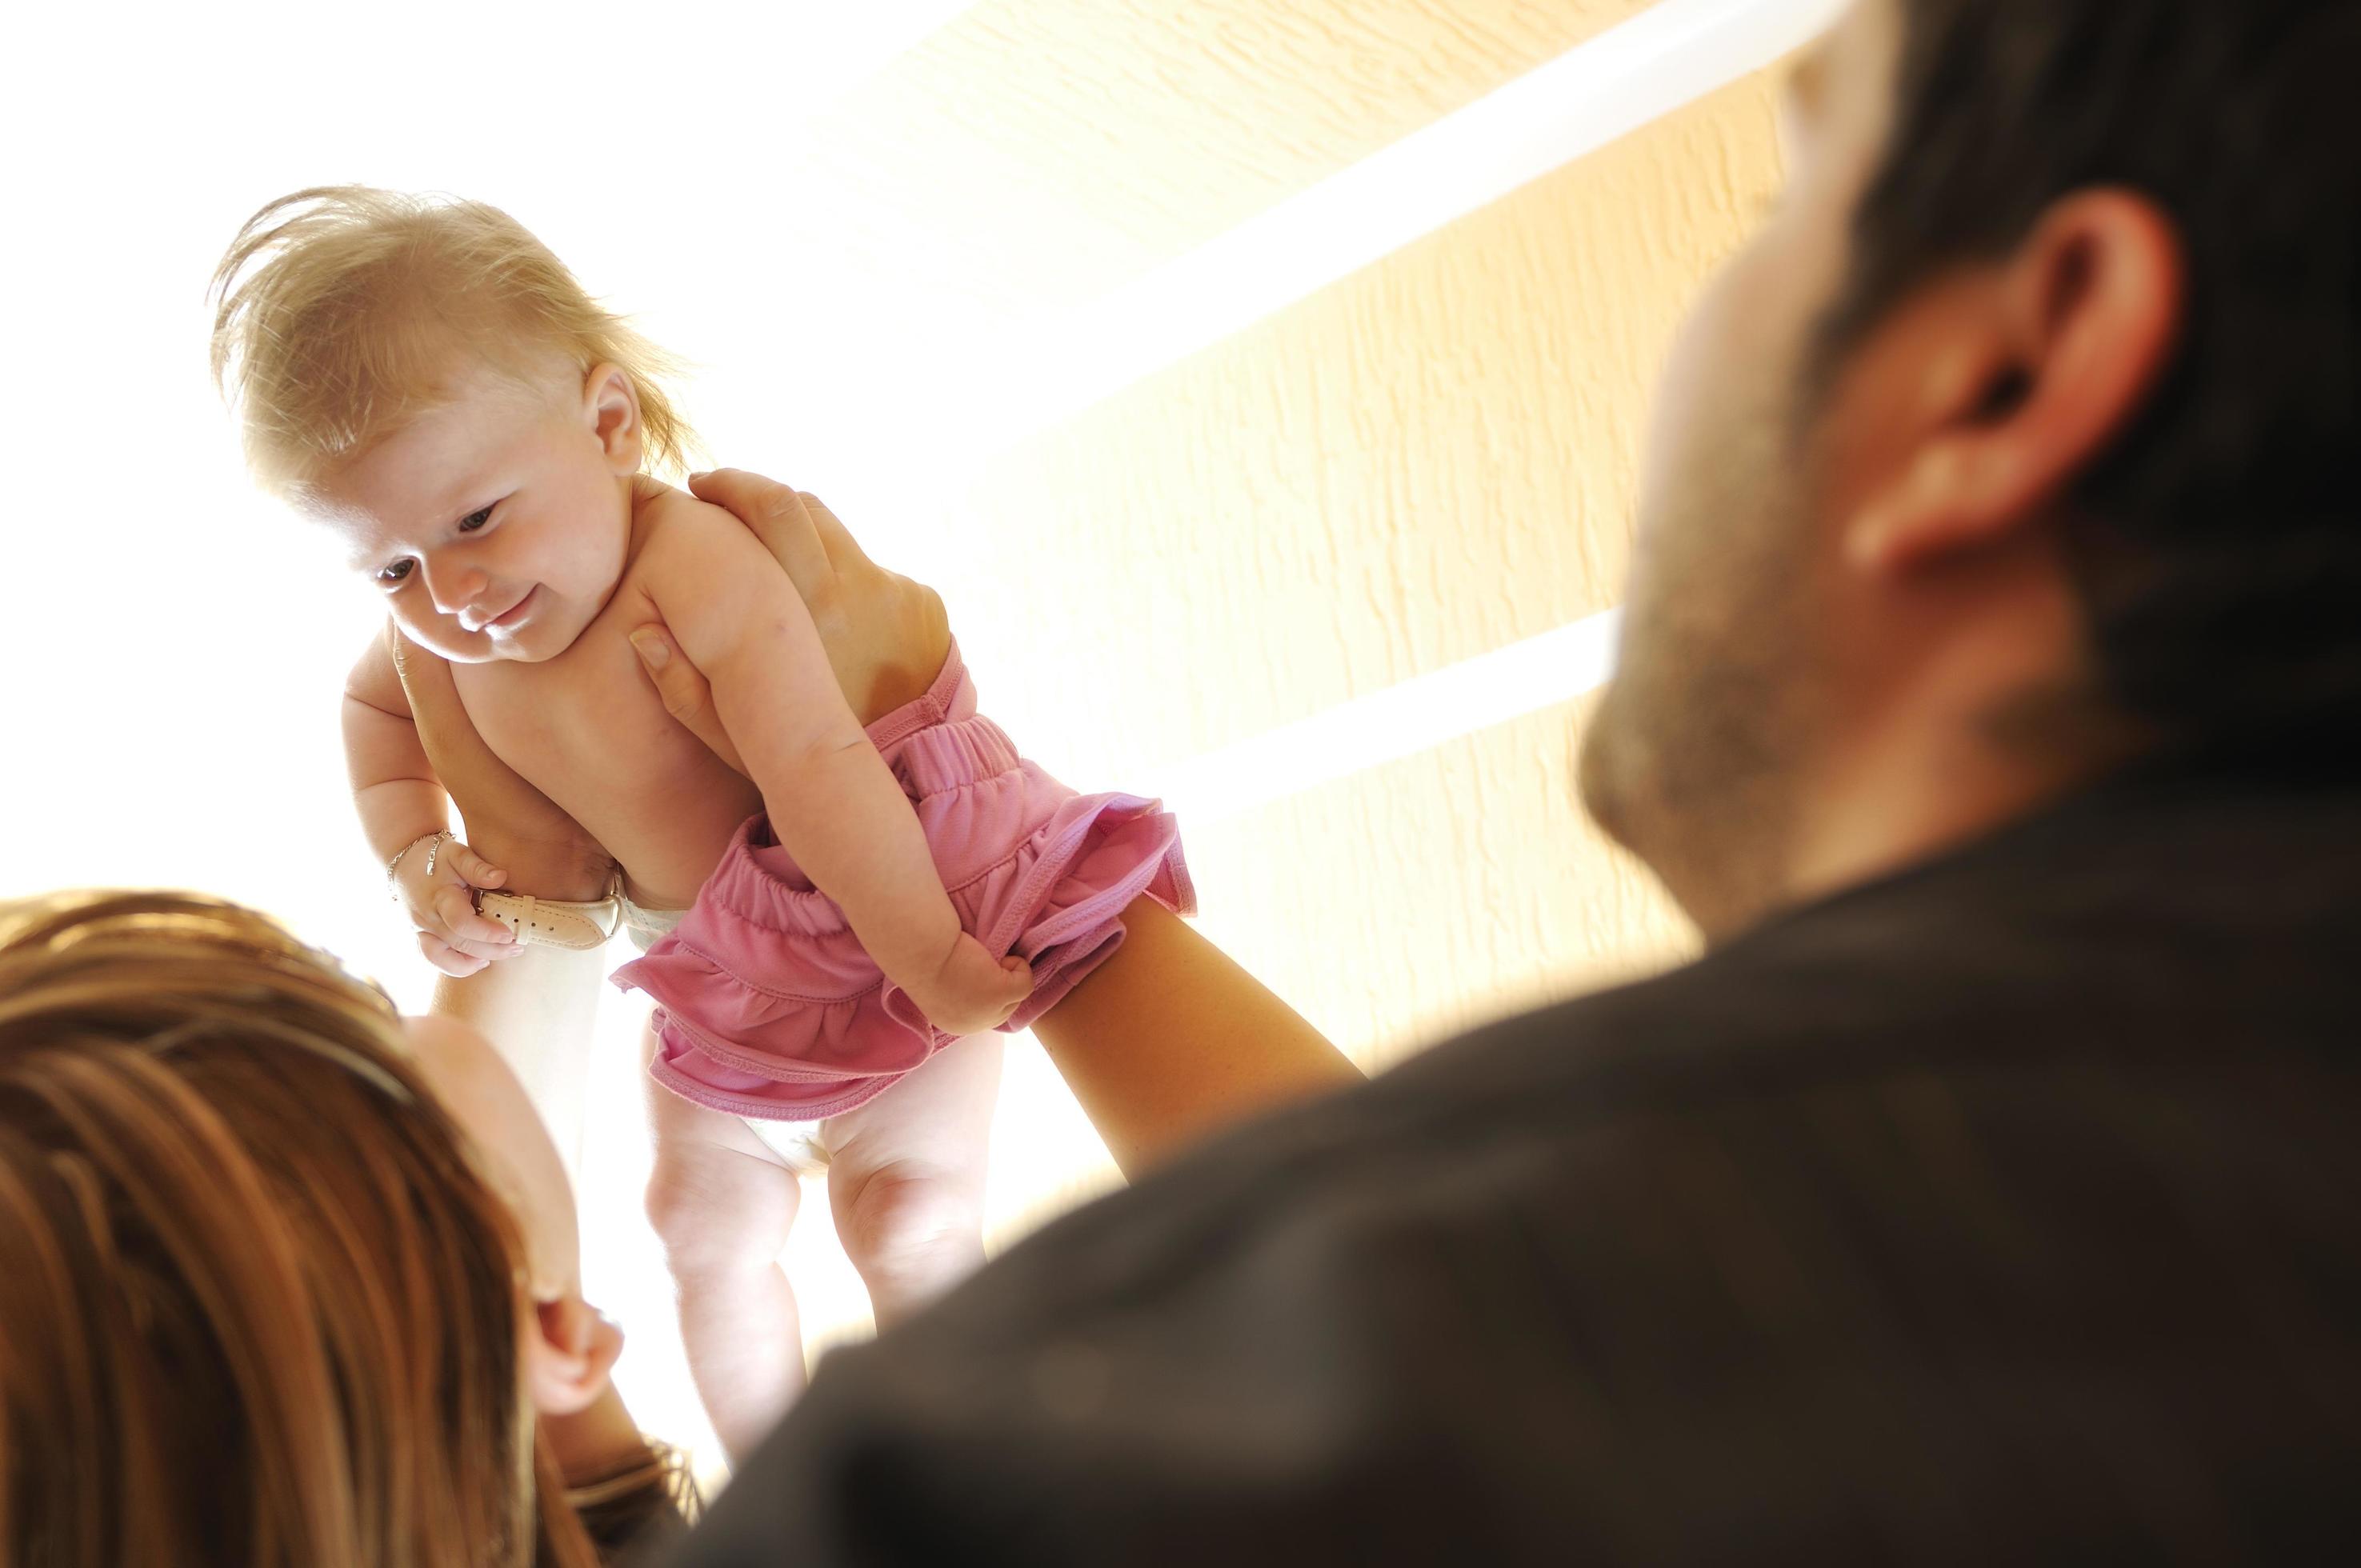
<point x="611" y="405"/>
<point x="570" y="1351"/>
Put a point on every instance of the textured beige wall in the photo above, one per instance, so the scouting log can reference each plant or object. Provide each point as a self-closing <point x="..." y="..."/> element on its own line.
<point x="1045" y="148"/>
<point x="1421" y="463"/>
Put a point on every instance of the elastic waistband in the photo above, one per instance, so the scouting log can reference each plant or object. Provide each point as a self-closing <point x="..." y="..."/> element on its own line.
<point x="759" y="882"/>
<point x="953" y="755"/>
<point x="953" y="696"/>
<point x="939" y="741"/>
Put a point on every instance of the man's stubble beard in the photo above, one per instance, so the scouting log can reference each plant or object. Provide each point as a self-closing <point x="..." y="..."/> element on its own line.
<point x="1692" y="760"/>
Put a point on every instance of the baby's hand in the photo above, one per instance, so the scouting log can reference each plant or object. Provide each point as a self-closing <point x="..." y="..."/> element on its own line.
<point x="973" y="991"/>
<point x="442" y="904"/>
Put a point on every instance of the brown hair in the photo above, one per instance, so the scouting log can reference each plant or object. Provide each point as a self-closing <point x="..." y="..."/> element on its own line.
<point x="260" y="1305"/>
<point x="342" y="312"/>
<point x="2216" y="547"/>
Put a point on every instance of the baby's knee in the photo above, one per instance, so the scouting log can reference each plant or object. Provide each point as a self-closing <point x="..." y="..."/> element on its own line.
<point x="720" y="1215"/>
<point x="903" y="1216"/>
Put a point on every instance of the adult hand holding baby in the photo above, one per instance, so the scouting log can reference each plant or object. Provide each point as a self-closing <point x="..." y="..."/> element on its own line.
<point x="885" y="635"/>
<point x="1169" y="1039"/>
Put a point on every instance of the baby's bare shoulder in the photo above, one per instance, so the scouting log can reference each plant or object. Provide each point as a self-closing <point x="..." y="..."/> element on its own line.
<point x="673" y="524"/>
<point x="687" y="545"/>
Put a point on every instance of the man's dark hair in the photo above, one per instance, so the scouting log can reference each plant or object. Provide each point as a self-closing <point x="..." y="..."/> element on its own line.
<point x="2216" y="546"/>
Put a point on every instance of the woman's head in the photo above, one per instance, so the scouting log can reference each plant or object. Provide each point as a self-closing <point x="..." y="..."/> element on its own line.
<point x="265" y="1300"/>
<point x="426" y="379"/>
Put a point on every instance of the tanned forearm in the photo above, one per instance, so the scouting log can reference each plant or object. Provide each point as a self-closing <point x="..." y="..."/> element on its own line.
<point x="1169" y="1041"/>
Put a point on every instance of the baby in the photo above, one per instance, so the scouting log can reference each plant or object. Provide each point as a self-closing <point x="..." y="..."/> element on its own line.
<point x="426" y="380"/>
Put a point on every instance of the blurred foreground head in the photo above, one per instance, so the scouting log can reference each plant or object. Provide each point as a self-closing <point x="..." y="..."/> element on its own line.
<point x="260" y="1303"/>
<point x="2020" y="433"/>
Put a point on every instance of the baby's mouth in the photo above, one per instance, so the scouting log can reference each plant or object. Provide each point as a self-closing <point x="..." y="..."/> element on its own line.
<point x="511" y="618"/>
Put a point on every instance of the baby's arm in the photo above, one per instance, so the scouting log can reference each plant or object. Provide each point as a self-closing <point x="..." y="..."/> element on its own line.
<point x="402" y="807"/>
<point x="832" y="801"/>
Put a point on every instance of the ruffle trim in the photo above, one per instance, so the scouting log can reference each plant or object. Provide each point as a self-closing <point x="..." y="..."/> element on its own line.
<point x="819" y="1030"/>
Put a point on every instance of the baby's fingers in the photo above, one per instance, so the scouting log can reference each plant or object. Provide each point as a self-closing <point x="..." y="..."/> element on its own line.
<point x="455" y="906"/>
<point x="472" y="866"/>
<point x="448" y="959"/>
<point x="995" y="987"/>
<point x="974" y="991"/>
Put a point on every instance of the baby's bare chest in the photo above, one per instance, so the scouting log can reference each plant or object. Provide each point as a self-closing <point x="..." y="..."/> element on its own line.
<point x="588" y="730"/>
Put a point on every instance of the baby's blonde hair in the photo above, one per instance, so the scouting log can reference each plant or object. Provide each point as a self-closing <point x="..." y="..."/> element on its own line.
<point x="342" y="312"/>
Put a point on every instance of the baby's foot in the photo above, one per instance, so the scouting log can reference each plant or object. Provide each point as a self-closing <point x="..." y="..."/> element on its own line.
<point x="974" y="992"/>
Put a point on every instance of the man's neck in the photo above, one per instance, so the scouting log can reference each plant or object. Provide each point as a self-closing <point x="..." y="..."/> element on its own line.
<point x="1901" y="798"/>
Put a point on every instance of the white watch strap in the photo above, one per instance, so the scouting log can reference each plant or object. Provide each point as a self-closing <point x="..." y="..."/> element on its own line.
<point x="553" y="923"/>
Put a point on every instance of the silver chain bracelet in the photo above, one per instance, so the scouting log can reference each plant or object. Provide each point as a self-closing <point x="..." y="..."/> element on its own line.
<point x="440" y="837"/>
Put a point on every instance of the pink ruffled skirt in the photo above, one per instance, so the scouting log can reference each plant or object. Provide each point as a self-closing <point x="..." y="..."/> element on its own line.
<point x="767" y="1008"/>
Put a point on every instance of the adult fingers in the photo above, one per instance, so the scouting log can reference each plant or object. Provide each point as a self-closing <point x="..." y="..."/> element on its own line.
<point x="842" y="549"/>
<point x="777" y="516"/>
<point x="686" y="694"/>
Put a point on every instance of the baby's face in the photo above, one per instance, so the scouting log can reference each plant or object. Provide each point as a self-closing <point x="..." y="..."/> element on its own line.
<point x="497" y="524"/>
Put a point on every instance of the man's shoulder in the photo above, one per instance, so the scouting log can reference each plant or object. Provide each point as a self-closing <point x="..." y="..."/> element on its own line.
<point x="2102" y="959"/>
<point x="2086" y="980"/>
<point x="2002" y="1206"/>
<point x="1545" y="1295"/>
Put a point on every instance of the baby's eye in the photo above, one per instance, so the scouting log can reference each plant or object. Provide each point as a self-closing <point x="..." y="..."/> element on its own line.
<point x="475" y="520"/>
<point x="392" y="574"/>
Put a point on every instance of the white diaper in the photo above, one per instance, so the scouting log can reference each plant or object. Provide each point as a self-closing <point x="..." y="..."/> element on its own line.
<point x="644" y="925"/>
<point x="796" y="1143"/>
<point x="556" y="923"/>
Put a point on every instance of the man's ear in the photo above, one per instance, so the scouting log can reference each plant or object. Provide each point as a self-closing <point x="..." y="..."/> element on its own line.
<point x="570" y="1351"/>
<point x="2043" y="367"/>
<point x="611" y="405"/>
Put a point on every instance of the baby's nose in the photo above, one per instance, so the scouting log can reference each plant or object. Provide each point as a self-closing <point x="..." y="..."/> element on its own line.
<point x="453" y="588"/>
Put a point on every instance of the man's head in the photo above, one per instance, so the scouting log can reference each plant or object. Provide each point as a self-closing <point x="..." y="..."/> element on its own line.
<point x="2008" y="447"/>
<point x="428" y="379"/>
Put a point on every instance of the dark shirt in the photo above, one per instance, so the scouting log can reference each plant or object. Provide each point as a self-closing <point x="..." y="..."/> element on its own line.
<point x="2007" y="1209"/>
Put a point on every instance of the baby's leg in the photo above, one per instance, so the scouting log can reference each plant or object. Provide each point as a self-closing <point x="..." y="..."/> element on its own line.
<point x="723" y="1203"/>
<point x="906" y="1177"/>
